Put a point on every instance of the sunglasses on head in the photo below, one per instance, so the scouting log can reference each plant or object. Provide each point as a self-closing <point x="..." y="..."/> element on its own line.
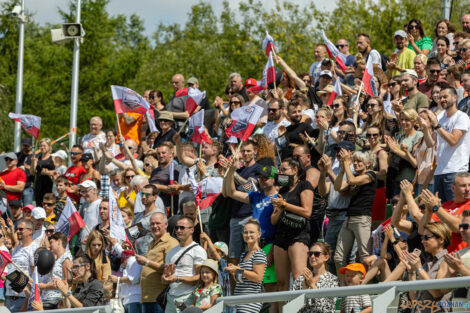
<point x="463" y="226"/>
<point x="315" y="253"/>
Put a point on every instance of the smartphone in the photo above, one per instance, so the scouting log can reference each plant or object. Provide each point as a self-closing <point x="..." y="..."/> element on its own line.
<point x="417" y="251"/>
<point x="283" y="180"/>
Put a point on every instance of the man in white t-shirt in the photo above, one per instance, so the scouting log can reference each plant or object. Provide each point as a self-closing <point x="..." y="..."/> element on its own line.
<point x="363" y="45"/>
<point x="453" y="143"/>
<point x="96" y="136"/>
<point x="275" y="120"/>
<point x="38" y="216"/>
<point x="90" y="209"/>
<point x="23" y="256"/>
<point x="183" y="275"/>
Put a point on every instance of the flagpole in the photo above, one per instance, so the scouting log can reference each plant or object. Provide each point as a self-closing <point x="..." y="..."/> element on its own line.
<point x="19" y="269"/>
<point x="236" y="154"/>
<point x="118" y="125"/>
<point x="359" y="94"/>
<point x="200" y="219"/>
<point x="55" y="141"/>
<point x="185" y="122"/>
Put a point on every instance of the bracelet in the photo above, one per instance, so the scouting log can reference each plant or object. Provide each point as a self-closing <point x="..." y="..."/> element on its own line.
<point x="147" y="262"/>
<point x="419" y="269"/>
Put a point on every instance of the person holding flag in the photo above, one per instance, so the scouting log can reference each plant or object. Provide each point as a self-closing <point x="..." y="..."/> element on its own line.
<point x="30" y="123"/>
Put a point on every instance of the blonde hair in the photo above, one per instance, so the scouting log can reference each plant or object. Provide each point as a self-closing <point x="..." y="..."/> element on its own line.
<point x="410" y="114"/>
<point x="422" y="57"/>
<point x="440" y="230"/>
<point x="365" y="157"/>
<point x="46" y="140"/>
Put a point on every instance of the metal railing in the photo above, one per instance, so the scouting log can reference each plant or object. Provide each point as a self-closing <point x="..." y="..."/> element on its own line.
<point x="91" y="309"/>
<point x="387" y="292"/>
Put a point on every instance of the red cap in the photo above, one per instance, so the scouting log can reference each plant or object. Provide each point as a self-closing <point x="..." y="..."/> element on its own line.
<point x="251" y="82"/>
<point x="28" y="207"/>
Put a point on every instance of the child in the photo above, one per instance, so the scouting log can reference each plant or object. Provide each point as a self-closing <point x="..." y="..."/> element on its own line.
<point x="61" y="188"/>
<point x="354" y="273"/>
<point x="207" y="289"/>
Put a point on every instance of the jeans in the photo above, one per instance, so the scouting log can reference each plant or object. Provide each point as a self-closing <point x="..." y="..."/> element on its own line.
<point x="170" y="302"/>
<point x="14" y="305"/>
<point x="335" y="223"/>
<point x="237" y="245"/>
<point x="355" y="228"/>
<point x="443" y="185"/>
<point x="28" y="194"/>
<point x="150" y="307"/>
<point x="134" y="307"/>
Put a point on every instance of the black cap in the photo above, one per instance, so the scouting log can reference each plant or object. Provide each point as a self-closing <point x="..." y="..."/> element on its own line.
<point x="267" y="171"/>
<point x="346" y="145"/>
<point x="27" y="141"/>
<point x="15" y="203"/>
<point x="86" y="157"/>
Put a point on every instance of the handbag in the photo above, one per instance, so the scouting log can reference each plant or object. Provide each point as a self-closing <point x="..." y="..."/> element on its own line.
<point x="162" y="296"/>
<point x="293" y="220"/>
<point x="116" y="303"/>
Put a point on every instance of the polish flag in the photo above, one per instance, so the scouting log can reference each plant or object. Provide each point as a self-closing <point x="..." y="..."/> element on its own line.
<point x="195" y="187"/>
<point x="172" y="175"/>
<point x="269" y="76"/>
<point x="195" y="97"/>
<point x="196" y="124"/>
<point x="5" y="259"/>
<point x="127" y="100"/>
<point x="70" y="221"/>
<point x="244" y="120"/>
<point x="210" y="188"/>
<point x="370" y="87"/>
<point x="35" y="292"/>
<point x="268" y="44"/>
<point x="334" y="53"/>
<point x="336" y="92"/>
<point x="30" y="123"/>
<point x="117" y="227"/>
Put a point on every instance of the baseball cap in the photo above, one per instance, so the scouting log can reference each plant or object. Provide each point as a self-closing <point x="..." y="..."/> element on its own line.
<point x="38" y="213"/>
<point x="27" y="141"/>
<point x="60" y="154"/>
<point x="86" y="157"/>
<point x="411" y="73"/>
<point x="10" y="155"/>
<point x="251" y="82"/>
<point x="326" y="73"/>
<point x="16" y="203"/>
<point x="88" y="184"/>
<point x="326" y="61"/>
<point x="193" y="80"/>
<point x="400" y="33"/>
<point x="346" y="145"/>
<point x="29" y="207"/>
<point x="222" y="246"/>
<point x="212" y="264"/>
<point x="355" y="267"/>
<point x="267" y="171"/>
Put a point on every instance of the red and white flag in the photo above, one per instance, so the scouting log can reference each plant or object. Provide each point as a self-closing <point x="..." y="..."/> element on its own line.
<point x="268" y="44"/>
<point x="337" y="92"/>
<point x="70" y="221"/>
<point x="370" y="86"/>
<point x="196" y="124"/>
<point x="117" y="227"/>
<point x="127" y="100"/>
<point x="30" y="123"/>
<point x="5" y="259"/>
<point x="244" y="120"/>
<point x="195" y="97"/>
<point x="195" y="187"/>
<point x="35" y="292"/>
<point x="334" y="53"/>
<point x="210" y="188"/>
<point x="269" y="76"/>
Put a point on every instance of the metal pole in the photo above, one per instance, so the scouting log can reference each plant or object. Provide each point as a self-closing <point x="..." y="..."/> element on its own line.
<point x="19" y="78"/>
<point x="446" y="8"/>
<point x="74" y="94"/>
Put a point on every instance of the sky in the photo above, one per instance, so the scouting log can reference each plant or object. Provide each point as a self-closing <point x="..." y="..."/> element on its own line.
<point x="152" y="12"/>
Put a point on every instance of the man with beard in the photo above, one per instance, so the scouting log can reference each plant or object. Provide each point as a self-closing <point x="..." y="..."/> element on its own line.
<point x="403" y="58"/>
<point x="297" y="131"/>
<point x="466" y="23"/>
<point x="433" y="68"/>
<point x="276" y="120"/>
<point x="160" y="177"/>
<point x="236" y="84"/>
<point x="23" y="256"/>
<point x="453" y="142"/>
<point x="416" y="100"/>
<point x="363" y="45"/>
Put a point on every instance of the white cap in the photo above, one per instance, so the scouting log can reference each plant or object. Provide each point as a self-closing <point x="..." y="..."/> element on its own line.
<point x="400" y="33"/>
<point x="326" y="73"/>
<point x="60" y="154"/>
<point x="88" y="184"/>
<point x="38" y="213"/>
<point x="411" y="73"/>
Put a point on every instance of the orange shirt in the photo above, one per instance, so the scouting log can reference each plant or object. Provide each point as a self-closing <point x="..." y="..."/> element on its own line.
<point x="455" y="209"/>
<point x="133" y="130"/>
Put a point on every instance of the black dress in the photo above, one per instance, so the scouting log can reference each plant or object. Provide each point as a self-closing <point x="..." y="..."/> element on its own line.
<point x="43" y="183"/>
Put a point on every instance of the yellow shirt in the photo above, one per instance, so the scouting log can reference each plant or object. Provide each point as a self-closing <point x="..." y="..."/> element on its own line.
<point x="406" y="61"/>
<point x="122" y="202"/>
<point x="49" y="218"/>
<point x="151" y="280"/>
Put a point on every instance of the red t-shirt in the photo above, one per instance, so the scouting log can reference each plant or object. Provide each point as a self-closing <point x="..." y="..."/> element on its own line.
<point x="74" y="175"/>
<point x="11" y="178"/>
<point x="455" y="209"/>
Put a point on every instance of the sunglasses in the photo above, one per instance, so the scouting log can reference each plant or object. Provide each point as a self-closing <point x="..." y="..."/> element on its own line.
<point x="434" y="71"/>
<point x="315" y="253"/>
<point x="146" y="194"/>
<point x="75" y="153"/>
<point x="426" y="237"/>
<point x="392" y="84"/>
<point x="181" y="227"/>
<point x="413" y="27"/>
<point x="147" y="164"/>
<point x="372" y="135"/>
<point x="463" y="226"/>
<point x="341" y="46"/>
<point x="273" y="110"/>
<point x="48" y="203"/>
<point x="372" y="105"/>
<point x="8" y="160"/>
<point x="129" y="176"/>
<point x="230" y="93"/>
<point x="463" y="49"/>
<point x="49" y="231"/>
<point x="336" y="105"/>
<point x="341" y="132"/>
<point x="21" y="229"/>
<point x="235" y="102"/>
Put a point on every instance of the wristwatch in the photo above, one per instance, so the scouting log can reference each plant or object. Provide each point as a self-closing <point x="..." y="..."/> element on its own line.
<point x="68" y="293"/>
<point x="283" y="205"/>
<point x="437" y="126"/>
<point x="435" y="208"/>
<point x="177" y="279"/>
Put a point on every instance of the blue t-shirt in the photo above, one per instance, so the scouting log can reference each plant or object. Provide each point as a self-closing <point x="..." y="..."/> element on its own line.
<point x="262" y="211"/>
<point x="350" y="59"/>
<point x="240" y="209"/>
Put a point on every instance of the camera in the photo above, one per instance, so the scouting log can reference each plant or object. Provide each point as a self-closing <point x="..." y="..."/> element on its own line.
<point x="16" y="11"/>
<point x="283" y="180"/>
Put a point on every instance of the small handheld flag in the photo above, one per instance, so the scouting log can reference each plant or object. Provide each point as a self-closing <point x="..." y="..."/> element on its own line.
<point x="30" y="123"/>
